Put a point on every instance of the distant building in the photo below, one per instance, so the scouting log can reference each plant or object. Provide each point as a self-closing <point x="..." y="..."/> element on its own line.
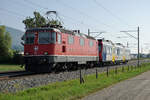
<point x="134" y="56"/>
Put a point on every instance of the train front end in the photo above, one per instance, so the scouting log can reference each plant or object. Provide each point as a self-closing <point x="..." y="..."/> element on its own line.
<point x="39" y="49"/>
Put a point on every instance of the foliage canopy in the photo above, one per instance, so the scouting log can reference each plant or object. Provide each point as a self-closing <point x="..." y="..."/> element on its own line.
<point x="39" y="21"/>
<point x="5" y="45"/>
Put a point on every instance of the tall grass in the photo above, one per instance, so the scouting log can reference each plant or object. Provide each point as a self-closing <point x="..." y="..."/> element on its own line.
<point x="9" y="67"/>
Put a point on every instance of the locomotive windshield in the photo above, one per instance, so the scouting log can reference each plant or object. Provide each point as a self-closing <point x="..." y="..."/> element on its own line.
<point x="46" y="37"/>
<point x="29" y="38"/>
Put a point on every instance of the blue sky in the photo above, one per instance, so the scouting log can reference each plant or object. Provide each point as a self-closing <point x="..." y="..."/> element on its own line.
<point x="111" y="16"/>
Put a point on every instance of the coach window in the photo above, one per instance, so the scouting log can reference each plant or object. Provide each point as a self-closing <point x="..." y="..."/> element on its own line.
<point x="118" y="51"/>
<point x="107" y="49"/>
<point x="100" y="47"/>
<point x="59" y="38"/>
<point x="90" y="43"/>
<point x="104" y="49"/>
<point x="81" y="41"/>
<point x="110" y="50"/>
<point x="121" y="51"/>
<point x="70" y="39"/>
<point x="29" y="38"/>
<point x="44" y="37"/>
<point x="115" y="51"/>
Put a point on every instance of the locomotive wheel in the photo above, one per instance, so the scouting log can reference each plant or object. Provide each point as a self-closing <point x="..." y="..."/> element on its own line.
<point x="27" y="67"/>
<point x="39" y="68"/>
<point x="44" y="68"/>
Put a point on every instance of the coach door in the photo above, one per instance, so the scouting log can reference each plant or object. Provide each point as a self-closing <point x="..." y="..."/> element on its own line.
<point x="63" y="45"/>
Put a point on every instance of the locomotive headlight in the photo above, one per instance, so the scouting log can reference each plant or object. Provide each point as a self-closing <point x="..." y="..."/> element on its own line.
<point x="45" y="53"/>
<point x="27" y="53"/>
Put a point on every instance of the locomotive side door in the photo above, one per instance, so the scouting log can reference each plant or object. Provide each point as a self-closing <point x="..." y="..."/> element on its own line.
<point x="63" y="45"/>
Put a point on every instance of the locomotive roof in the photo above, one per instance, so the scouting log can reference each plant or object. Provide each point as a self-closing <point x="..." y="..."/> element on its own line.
<point x="115" y="44"/>
<point x="62" y="31"/>
<point x="106" y="41"/>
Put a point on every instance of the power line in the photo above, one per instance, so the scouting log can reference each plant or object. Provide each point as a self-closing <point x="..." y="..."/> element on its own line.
<point x="84" y="14"/>
<point x="35" y="4"/>
<point x="130" y="35"/>
<point x="13" y="12"/>
<point x="32" y="8"/>
<point x="108" y="11"/>
<point x="19" y="3"/>
<point x="75" y="20"/>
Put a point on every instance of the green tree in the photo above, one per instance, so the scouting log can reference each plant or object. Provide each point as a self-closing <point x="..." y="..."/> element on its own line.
<point x="29" y="22"/>
<point x="2" y="41"/>
<point x="8" y="43"/>
<point x="38" y="21"/>
<point x="54" y="22"/>
<point x="5" y="45"/>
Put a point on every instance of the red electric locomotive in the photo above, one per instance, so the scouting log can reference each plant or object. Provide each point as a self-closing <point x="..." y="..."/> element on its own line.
<point x="51" y="48"/>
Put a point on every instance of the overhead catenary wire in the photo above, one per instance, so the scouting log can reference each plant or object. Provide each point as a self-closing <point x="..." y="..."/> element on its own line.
<point x="110" y="12"/>
<point x="84" y="14"/>
<point x="13" y="12"/>
<point x="75" y="9"/>
<point x="21" y="4"/>
<point x="37" y="5"/>
<point x="76" y="21"/>
<point x="22" y="16"/>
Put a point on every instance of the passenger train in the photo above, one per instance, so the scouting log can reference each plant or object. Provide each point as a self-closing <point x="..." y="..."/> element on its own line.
<point x="54" y="48"/>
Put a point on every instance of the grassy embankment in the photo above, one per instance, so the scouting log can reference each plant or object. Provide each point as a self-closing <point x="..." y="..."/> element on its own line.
<point x="72" y="89"/>
<point x="9" y="67"/>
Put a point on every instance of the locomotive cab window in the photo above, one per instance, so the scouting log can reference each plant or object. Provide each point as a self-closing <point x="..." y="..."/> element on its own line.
<point x="29" y="38"/>
<point x="47" y="37"/>
<point x="44" y="37"/>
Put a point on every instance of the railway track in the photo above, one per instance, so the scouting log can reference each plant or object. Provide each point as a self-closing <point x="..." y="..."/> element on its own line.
<point x="19" y="74"/>
<point x="14" y="74"/>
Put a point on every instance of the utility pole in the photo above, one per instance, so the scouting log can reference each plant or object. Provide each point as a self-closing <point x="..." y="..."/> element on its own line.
<point x="137" y="38"/>
<point x="138" y="31"/>
<point x="88" y="32"/>
<point x="127" y="44"/>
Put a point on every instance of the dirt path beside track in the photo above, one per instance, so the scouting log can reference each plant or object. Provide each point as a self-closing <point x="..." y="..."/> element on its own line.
<point x="137" y="88"/>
